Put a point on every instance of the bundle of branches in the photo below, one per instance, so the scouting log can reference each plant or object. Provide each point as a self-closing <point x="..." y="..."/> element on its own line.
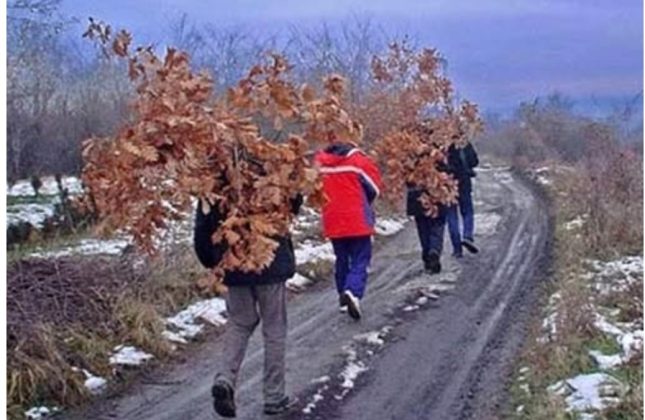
<point x="185" y="143"/>
<point x="413" y="122"/>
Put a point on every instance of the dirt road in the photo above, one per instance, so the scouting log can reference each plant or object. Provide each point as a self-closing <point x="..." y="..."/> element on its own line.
<point x="429" y="347"/>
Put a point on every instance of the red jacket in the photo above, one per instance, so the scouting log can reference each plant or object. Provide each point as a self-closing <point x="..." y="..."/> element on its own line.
<point x="351" y="181"/>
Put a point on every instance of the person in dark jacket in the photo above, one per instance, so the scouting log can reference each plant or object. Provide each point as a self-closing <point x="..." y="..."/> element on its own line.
<point x="461" y="164"/>
<point x="429" y="228"/>
<point x="251" y="297"/>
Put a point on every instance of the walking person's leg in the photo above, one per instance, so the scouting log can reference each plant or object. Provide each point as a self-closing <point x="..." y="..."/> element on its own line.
<point x="435" y="239"/>
<point x="467" y="213"/>
<point x="360" y="257"/>
<point x="452" y="218"/>
<point x="422" y="223"/>
<point x="243" y="318"/>
<point x="272" y="299"/>
<point x="341" y="251"/>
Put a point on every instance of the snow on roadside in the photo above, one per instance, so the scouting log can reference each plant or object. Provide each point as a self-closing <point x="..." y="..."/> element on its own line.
<point x="389" y="226"/>
<point x="486" y="223"/>
<point x="185" y="324"/>
<point x="86" y="247"/>
<point x="33" y="213"/>
<point x="310" y="251"/>
<point x="95" y="384"/>
<point x="353" y="368"/>
<point x="575" y="223"/>
<point x="49" y="186"/>
<point x="298" y="282"/>
<point x="129" y="356"/>
<point x="588" y="393"/>
<point x="319" y="395"/>
<point x="37" y="413"/>
<point x="606" y="362"/>
<point x="614" y="276"/>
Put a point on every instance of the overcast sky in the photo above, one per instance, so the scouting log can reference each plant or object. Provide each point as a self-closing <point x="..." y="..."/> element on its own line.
<point x="499" y="52"/>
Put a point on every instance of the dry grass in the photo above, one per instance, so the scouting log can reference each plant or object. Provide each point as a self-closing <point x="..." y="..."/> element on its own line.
<point x="608" y="193"/>
<point x="41" y="354"/>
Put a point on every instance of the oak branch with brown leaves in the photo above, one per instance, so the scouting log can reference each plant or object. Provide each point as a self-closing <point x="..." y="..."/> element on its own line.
<point x="183" y="143"/>
<point x="246" y="151"/>
<point x="418" y="123"/>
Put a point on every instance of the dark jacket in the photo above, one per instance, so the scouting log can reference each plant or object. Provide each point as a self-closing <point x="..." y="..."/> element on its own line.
<point x="282" y="268"/>
<point x="461" y="164"/>
<point x="413" y="205"/>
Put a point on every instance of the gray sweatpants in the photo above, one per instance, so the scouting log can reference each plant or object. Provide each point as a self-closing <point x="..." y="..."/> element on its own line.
<point x="246" y="306"/>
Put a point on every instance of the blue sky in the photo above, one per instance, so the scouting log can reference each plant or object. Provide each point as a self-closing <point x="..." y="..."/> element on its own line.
<point x="499" y="52"/>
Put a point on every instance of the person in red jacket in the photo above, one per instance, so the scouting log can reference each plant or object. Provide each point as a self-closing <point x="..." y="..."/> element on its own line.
<point x="351" y="182"/>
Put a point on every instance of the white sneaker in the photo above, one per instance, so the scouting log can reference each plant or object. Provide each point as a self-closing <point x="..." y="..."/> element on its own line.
<point x="353" y="304"/>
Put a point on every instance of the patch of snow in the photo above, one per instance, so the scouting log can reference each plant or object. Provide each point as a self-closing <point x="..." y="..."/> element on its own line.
<point x="422" y="300"/>
<point x="351" y="372"/>
<point x="33" y="213"/>
<point x="49" y="187"/>
<point x="298" y="282"/>
<point x="605" y="326"/>
<point x="604" y="361"/>
<point x="321" y="380"/>
<point x="410" y="308"/>
<point x="318" y="396"/>
<point x="632" y="344"/>
<point x="591" y="392"/>
<point x="95" y="384"/>
<point x="36" y="413"/>
<point x="574" y="224"/>
<point x="388" y="227"/>
<point x="309" y="251"/>
<point x="375" y="338"/>
<point x="128" y="355"/>
<point x="87" y="247"/>
<point x="615" y="276"/>
<point x="177" y="337"/>
<point x="186" y="322"/>
<point x="543" y="180"/>
<point x="486" y="223"/>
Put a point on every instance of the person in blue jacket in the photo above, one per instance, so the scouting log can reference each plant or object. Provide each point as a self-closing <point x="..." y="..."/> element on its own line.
<point x="461" y="164"/>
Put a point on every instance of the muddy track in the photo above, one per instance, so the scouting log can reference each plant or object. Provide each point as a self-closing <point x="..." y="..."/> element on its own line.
<point x="429" y="347"/>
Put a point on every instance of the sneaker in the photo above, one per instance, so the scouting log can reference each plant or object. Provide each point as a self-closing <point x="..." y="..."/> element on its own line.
<point x="286" y="404"/>
<point x="342" y="304"/>
<point x="223" y="397"/>
<point x="469" y="244"/>
<point x="353" y="304"/>
<point x="458" y="255"/>
<point x="432" y="264"/>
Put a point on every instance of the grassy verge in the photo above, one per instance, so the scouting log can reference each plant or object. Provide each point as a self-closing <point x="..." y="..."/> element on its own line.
<point x="69" y="313"/>
<point x="564" y="333"/>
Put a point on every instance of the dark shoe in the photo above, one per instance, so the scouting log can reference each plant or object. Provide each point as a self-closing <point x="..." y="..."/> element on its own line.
<point x="469" y="244"/>
<point x="432" y="264"/>
<point x="286" y="404"/>
<point x="223" y="398"/>
<point x="342" y="304"/>
<point x="353" y="304"/>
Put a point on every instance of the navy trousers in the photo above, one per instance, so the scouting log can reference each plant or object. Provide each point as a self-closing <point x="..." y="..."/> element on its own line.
<point x="465" y="208"/>
<point x="430" y="230"/>
<point x="353" y="256"/>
